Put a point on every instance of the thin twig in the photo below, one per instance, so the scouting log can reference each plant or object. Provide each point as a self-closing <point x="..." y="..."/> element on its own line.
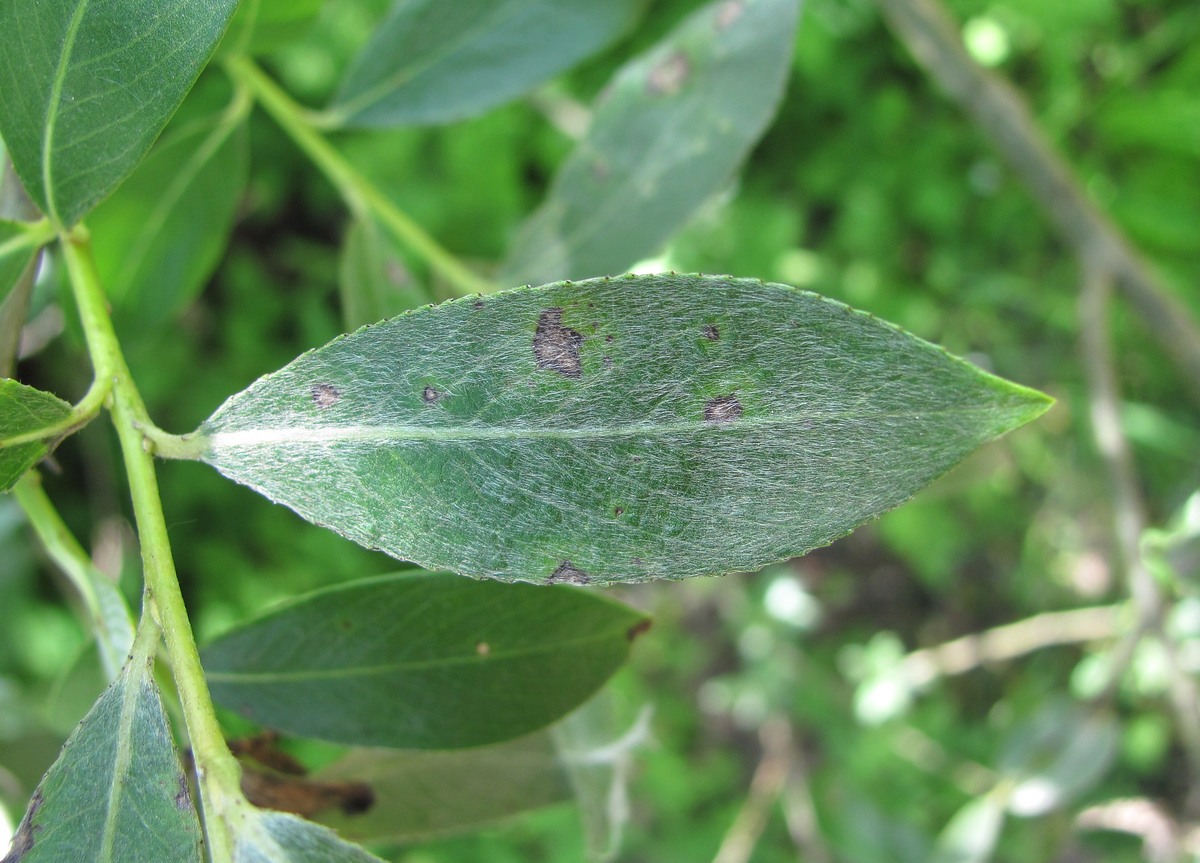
<point x="1012" y="640"/>
<point x="765" y="788"/>
<point x="1129" y="520"/>
<point x="1001" y="114"/>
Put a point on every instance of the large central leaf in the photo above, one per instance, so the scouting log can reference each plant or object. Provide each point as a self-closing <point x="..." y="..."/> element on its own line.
<point x="610" y="430"/>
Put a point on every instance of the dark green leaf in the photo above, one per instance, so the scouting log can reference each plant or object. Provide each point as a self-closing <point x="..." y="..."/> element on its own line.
<point x="158" y="238"/>
<point x="117" y="792"/>
<point x="16" y="255"/>
<point x="374" y="282"/>
<point x="421" y="661"/>
<point x="424" y="794"/>
<point x="85" y="88"/>
<point x="30" y="421"/>
<point x="273" y="837"/>
<point x="670" y="131"/>
<point x="434" y="62"/>
<point x="611" y="430"/>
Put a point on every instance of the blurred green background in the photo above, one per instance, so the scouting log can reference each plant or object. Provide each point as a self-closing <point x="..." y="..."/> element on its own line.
<point x="869" y="187"/>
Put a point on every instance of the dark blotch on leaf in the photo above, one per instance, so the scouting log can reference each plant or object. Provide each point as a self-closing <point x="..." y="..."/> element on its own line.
<point x="557" y="347"/>
<point x="669" y="76"/>
<point x="568" y="573"/>
<point x="183" y="797"/>
<point x="22" y="840"/>
<point x="429" y="395"/>
<point x="711" y="332"/>
<point x="477" y="305"/>
<point x="637" y="629"/>
<point x="722" y="409"/>
<point x="620" y="510"/>
<point x="325" y="396"/>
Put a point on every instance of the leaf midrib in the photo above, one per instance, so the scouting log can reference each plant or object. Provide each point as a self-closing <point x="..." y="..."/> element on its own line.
<point x="271" y="436"/>
<point x="465" y="659"/>
<point x="52" y="108"/>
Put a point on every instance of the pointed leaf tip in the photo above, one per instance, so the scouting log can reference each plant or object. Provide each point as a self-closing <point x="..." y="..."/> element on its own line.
<point x="615" y="429"/>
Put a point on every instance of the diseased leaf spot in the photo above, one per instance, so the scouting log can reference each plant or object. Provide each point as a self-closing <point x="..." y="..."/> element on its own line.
<point x="557" y="347"/>
<point x="608" y="340"/>
<point x="669" y="76"/>
<point x="483" y="648"/>
<point x="325" y="396"/>
<point x="618" y="510"/>
<point x="568" y="573"/>
<point x="183" y="797"/>
<point x="608" y="361"/>
<point x="477" y="305"/>
<point x="711" y="332"/>
<point x="429" y="395"/>
<point x="637" y="629"/>
<point x="728" y="13"/>
<point x="722" y="409"/>
<point x="22" y="841"/>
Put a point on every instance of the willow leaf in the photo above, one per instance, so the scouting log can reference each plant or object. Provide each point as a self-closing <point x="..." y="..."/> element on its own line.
<point x="86" y="87"/>
<point x="30" y="422"/>
<point x="275" y="837"/>
<point x="117" y="793"/>
<point x="668" y="132"/>
<point x="419" y="795"/>
<point x="421" y="661"/>
<point x="434" y="62"/>
<point x="610" y="430"/>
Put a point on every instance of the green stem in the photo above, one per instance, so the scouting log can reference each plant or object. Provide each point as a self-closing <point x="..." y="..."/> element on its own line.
<point x="31" y="236"/>
<point x="216" y="768"/>
<point x="109" y="615"/>
<point x="359" y="193"/>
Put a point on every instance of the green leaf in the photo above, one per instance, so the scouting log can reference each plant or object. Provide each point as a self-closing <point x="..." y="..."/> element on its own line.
<point x="159" y="237"/>
<point x="423" y="794"/>
<point x="421" y="661"/>
<point x="85" y="88"/>
<point x="611" y="430"/>
<point x="669" y="131"/>
<point x="16" y="255"/>
<point x="273" y="837"/>
<point x="30" y="422"/>
<point x="435" y="62"/>
<point x="374" y="282"/>
<point x="117" y="793"/>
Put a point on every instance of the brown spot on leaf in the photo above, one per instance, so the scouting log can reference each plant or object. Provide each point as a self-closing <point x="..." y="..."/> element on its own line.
<point x="483" y="648"/>
<point x="711" y="332"/>
<point x="325" y="396"/>
<point x="728" y="12"/>
<point x="608" y="361"/>
<point x="557" y="347"/>
<point x="722" y="409"/>
<point x="568" y="573"/>
<point x="429" y="395"/>
<point x="477" y="305"/>
<point x="669" y="76"/>
<point x="608" y="340"/>
<point x="618" y="510"/>
<point x="637" y="629"/>
<point x="183" y="797"/>
<point x="22" y="841"/>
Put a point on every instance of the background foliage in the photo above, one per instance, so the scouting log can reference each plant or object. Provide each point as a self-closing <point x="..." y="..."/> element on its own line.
<point x="868" y="187"/>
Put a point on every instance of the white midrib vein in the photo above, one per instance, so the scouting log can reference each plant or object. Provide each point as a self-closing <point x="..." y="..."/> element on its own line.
<point x="244" y="438"/>
<point x="124" y="754"/>
<point x="55" y="102"/>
